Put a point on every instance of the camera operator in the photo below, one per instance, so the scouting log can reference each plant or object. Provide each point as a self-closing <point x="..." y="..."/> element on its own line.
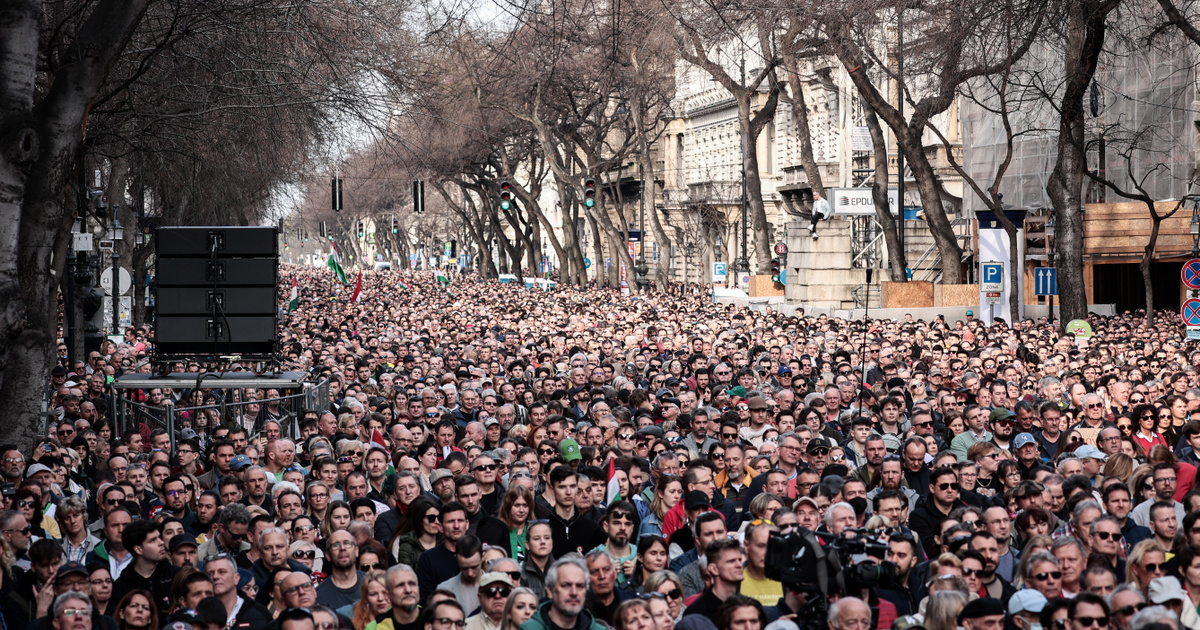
<point x="725" y="567"/>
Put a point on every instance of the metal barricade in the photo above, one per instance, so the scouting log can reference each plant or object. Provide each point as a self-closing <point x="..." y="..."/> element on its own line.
<point x="231" y="406"/>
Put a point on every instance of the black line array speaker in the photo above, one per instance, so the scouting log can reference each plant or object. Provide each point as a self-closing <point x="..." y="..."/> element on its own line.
<point x="216" y="292"/>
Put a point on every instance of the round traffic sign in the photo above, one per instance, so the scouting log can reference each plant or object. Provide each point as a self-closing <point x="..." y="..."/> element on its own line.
<point x="781" y="249"/>
<point x="1191" y="273"/>
<point x="587" y="263"/>
<point x="106" y="280"/>
<point x="1191" y="312"/>
<point x="1080" y="328"/>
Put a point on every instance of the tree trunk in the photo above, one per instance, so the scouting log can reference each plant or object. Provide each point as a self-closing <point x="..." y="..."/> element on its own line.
<point x="1085" y="28"/>
<point x="800" y="120"/>
<point x="930" y="188"/>
<point x="760" y="228"/>
<point x="897" y="265"/>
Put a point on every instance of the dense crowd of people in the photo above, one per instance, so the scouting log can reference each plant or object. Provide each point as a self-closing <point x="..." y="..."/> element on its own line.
<point x="491" y="457"/>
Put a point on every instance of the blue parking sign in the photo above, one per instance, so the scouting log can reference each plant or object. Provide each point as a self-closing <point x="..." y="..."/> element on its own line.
<point x="991" y="276"/>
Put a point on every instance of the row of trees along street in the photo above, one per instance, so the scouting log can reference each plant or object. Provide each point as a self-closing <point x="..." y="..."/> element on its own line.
<point x="202" y="113"/>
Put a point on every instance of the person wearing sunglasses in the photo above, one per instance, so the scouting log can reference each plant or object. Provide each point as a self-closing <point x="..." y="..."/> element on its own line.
<point x="1088" y="611"/>
<point x="939" y="503"/>
<point x="494" y="589"/>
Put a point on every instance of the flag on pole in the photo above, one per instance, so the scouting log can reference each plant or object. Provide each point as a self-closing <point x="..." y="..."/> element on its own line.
<point x="403" y="285"/>
<point x="294" y="301"/>
<point x="335" y="263"/>
<point x="614" y="485"/>
<point x="357" y="290"/>
<point x="441" y="277"/>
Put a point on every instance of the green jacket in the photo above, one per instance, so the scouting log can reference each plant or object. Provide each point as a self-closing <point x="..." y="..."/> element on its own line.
<point x="541" y="620"/>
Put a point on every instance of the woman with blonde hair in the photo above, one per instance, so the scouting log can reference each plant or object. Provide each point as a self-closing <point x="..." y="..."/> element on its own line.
<point x="634" y="614"/>
<point x="1145" y="563"/>
<point x="1141" y="484"/>
<point x="521" y="605"/>
<point x="1032" y="546"/>
<point x="668" y="583"/>
<point x="373" y="601"/>
<point x="941" y="613"/>
<point x="1118" y="465"/>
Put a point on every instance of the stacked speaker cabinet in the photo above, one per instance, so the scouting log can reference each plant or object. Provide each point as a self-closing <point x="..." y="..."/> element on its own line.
<point x="216" y="294"/>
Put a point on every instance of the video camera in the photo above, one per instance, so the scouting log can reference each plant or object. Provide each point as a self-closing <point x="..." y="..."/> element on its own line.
<point x="820" y="564"/>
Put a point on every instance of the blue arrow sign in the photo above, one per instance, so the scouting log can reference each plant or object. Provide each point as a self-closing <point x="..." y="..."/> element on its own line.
<point x="1191" y="274"/>
<point x="587" y="263"/>
<point x="1191" y="312"/>
<point x="1045" y="281"/>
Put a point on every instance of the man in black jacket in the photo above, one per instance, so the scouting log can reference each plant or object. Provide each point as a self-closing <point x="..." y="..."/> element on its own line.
<point x="489" y="529"/>
<point x="571" y="532"/>
<point x="942" y="499"/>
<point x="151" y="568"/>
<point x="250" y="614"/>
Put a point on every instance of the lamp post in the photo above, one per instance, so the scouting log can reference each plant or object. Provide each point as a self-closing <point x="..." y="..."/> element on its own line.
<point x="117" y="233"/>
<point x="1050" y="256"/>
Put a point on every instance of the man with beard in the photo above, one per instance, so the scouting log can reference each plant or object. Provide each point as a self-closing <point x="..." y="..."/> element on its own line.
<point x="927" y="518"/>
<point x="891" y="477"/>
<point x="1003" y="425"/>
<point x="618" y="526"/>
<point x="345" y="580"/>
<point x="566" y="588"/>
<point x="489" y="529"/>
<point x="983" y="543"/>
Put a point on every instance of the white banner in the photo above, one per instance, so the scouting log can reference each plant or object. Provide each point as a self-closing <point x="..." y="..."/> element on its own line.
<point x="858" y="201"/>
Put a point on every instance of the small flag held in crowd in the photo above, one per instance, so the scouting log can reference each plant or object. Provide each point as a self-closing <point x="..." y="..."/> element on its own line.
<point x="294" y="301"/>
<point x="335" y="263"/>
<point x="614" y="485"/>
<point x="357" y="290"/>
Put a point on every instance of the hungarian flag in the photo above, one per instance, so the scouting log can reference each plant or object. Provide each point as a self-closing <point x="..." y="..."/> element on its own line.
<point x="441" y="277"/>
<point x="377" y="438"/>
<point x="335" y="263"/>
<point x="614" y="485"/>
<point x="357" y="290"/>
<point x="294" y="301"/>
<point x="403" y="285"/>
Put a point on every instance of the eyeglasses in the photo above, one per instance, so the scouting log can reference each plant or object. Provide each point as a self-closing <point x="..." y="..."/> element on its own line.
<point x="304" y="554"/>
<point x="729" y="435"/>
<point x="1152" y="567"/>
<point x="76" y="612"/>
<point x="1126" y="611"/>
<point x="370" y="566"/>
<point x="1089" y="621"/>
<point x="446" y="621"/>
<point x="1107" y="535"/>
<point x="946" y="486"/>
<point x="26" y="530"/>
<point x="217" y="556"/>
<point x="546" y="451"/>
<point x="303" y="586"/>
<point x="488" y="467"/>
<point x="496" y="591"/>
<point x="431" y="518"/>
<point x="24" y="503"/>
<point x="1042" y="577"/>
<point x="626" y="436"/>
<point x="100" y="581"/>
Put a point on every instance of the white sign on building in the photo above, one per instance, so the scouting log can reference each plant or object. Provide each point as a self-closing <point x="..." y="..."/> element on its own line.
<point x="858" y="201"/>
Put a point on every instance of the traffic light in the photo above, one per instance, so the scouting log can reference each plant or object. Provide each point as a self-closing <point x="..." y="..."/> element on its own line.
<point x="506" y="195"/>
<point x="418" y="187"/>
<point x="337" y="194"/>
<point x="395" y="225"/>
<point x="589" y="192"/>
<point x="453" y="248"/>
<point x="362" y="230"/>
<point x="324" y="232"/>
<point x="775" y="266"/>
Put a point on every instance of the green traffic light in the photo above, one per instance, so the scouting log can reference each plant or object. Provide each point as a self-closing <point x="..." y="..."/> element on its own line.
<point x="591" y="203"/>
<point x="505" y="205"/>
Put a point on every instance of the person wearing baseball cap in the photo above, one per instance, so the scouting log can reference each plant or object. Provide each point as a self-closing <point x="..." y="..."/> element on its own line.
<point x="494" y="589"/>
<point x="760" y="412"/>
<point x="1025" y="447"/>
<point x="1026" y="606"/>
